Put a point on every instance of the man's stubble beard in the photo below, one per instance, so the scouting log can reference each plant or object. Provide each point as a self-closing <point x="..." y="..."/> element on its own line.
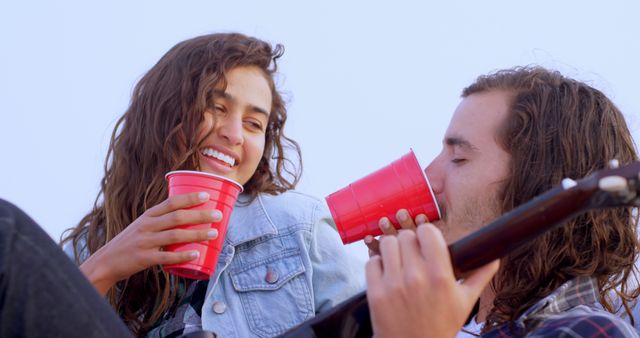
<point x="475" y="213"/>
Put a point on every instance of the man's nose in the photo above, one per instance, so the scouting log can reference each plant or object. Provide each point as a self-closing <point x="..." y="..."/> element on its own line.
<point x="434" y="176"/>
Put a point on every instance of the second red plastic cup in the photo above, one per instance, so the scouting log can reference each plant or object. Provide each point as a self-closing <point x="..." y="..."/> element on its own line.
<point x="357" y="208"/>
<point x="223" y="193"/>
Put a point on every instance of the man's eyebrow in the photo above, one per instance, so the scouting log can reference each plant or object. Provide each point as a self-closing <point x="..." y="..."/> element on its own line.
<point x="229" y="97"/>
<point x="460" y="142"/>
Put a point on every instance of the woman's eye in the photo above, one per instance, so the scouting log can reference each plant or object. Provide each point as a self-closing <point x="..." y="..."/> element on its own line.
<point x="219" y="108"/>
<point x="254" y="125"/>
<point x="458" y="160"/>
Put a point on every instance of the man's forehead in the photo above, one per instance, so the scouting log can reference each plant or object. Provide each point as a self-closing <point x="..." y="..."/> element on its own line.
<point x="477" y="119"/>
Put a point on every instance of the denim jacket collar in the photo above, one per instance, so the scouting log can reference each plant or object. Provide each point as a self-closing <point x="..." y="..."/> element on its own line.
<point x="249" y="221"/>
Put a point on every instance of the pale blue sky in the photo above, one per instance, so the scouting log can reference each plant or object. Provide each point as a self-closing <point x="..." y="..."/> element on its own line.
<point x="365" y="80"/>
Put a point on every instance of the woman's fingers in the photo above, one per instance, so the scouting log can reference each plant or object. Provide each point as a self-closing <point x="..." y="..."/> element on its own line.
<point x="176" y="236"/>
<point x="177" y="202"/>
<point x="182" y="217"/>
<point x="176" y="257"/>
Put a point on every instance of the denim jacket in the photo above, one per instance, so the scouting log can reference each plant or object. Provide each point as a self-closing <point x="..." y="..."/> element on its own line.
<point x="282" y="262"/>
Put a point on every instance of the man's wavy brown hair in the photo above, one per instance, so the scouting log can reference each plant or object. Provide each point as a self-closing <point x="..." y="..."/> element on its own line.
<point x="558" y="127"/>
<point x="157" y="134"/>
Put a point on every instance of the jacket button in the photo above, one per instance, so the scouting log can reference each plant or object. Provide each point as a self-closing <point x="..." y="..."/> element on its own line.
<point x="219" y="307"/>
<point x="272" y="275"/>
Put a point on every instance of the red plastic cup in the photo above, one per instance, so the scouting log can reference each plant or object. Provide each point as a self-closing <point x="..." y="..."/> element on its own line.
<point x="357" y="208"/>
<point x="223" y="194"/>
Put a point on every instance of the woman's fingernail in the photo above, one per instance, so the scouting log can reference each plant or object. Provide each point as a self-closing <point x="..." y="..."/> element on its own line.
<point x="212" y="234"/>
<point x="216" y="214"/>
<point x="368" y="239"/>
<point x="203" y="196"/>
<point x="194" y="254"/>
<point x="384" y="223"/>
<point x="421" y="219"/>
<point x="402" y="216"/>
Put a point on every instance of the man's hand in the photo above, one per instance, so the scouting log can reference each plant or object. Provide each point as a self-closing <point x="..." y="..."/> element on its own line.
<point x="387" y="228"/>
<point x="412" y="291"/>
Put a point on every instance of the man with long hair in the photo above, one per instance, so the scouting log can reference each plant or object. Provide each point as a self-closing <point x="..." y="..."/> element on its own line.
<point x="516" y="134"/>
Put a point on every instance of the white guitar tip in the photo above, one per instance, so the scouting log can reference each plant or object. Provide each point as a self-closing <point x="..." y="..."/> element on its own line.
<point x="568" y="183"/>
<point x="613" y="184"/>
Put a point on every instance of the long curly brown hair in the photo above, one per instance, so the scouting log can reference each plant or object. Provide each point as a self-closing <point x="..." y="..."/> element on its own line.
<point x="558" y="128"/>
<point x="157" y="134"/>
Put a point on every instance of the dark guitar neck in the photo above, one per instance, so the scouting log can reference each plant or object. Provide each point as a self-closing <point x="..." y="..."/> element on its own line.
<point x="508" y="232"/>
<point x="518" y="227"/>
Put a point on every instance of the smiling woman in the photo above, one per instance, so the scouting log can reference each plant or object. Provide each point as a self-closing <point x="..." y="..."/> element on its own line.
<point x="234" y="128"/>
<point x="210" y="104"/>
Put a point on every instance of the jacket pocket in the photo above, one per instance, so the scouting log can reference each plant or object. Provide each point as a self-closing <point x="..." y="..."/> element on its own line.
<point x="274" y="293"/>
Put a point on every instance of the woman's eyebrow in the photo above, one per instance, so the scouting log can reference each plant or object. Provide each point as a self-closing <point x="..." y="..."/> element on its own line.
<point x="230" y="97"/>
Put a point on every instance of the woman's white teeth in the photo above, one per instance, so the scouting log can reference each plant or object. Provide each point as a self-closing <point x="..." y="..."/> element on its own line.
<point x="220" y="156"/>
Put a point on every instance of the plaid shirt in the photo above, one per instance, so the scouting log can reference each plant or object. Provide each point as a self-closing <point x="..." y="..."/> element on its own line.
<point x="570" y="311"/>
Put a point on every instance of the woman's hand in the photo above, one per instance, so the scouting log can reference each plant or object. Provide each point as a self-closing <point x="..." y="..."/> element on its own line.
<point x="387" y="228"/>
<point x="139" y="245"/>
<point x="412" y="290"/>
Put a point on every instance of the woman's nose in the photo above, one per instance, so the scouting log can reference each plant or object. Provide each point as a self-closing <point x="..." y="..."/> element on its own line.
<point x="230" y="129"/>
